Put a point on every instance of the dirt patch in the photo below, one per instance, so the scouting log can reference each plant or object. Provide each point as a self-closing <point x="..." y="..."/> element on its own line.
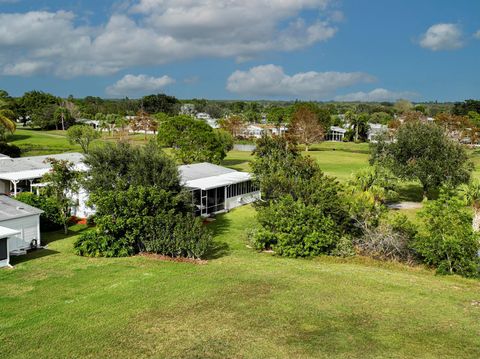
<point x="161" y="257"/>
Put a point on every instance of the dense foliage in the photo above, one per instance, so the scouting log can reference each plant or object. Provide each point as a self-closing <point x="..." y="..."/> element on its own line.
<point x="137" y="195"/>
<point x="51" y="218"/>
<point x="422" y="151"/>
<point x="82" y="135"/>
<point x="449" y="242"/>
<point x="10" y="150"/>
<point x="302" y="212"/>
<point x="193" y="140"/>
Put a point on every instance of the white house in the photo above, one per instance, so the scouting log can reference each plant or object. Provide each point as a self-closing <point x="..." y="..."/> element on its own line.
<point x="20" y="174"/>
<point x="19" y="228"/>
<point x="336" y="134"/>
<point x="375" y="129"/>
<point x="217" y="189"/>
<point x="203" y="116"/>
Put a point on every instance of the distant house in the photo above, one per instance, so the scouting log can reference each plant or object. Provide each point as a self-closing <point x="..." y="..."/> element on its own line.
<point x="376" y="129"/>
<point x="336" y="134"/>
<point x="217" y="189"/>
<point x="19" y="228"/>
<point x="259" y="130"/>
<point x="203" y="116"/>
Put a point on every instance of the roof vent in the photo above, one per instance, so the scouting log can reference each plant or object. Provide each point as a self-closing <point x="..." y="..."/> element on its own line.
<point x="20" y="207"/>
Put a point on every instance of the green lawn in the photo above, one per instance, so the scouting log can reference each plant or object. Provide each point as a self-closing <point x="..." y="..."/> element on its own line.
<point x="241" y="304"/>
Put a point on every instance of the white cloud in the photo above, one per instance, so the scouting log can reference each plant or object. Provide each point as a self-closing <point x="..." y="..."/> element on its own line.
<point x="477" y="35"/>
<point x="442" y="37"/>
<point x="138" y="85"/>
<point x="271" y="81"/>
<point x="154" y="32"/>
<point x="377" y="95"/>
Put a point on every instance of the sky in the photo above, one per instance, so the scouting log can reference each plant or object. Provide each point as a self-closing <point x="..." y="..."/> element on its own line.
<point x="322" y="50"/>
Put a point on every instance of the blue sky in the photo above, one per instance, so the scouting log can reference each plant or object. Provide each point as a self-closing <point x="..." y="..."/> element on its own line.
<point x="264" y="49"/>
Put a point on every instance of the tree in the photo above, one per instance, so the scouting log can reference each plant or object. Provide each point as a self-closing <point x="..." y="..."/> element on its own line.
<point x="471" y="194"/>
<point x="143" y="122"/>
<point x="141" y="205"/>
<point x="7" y="117"/>
<point x="40" y="108"/>
<point x="302" y="212"/>
<point x="422" y="151"/>
<point x="305" y="128"/>
<point x="449" y="242"/>
<point x="62" y="181"/>
<point x="63" y="116"/>
<point x="455" y="126"/>
<point x="233" y="124"/>
<point x="160" y="103"/>
<point x="402" y="106"/>
<point x="82" y="135"/>
<point x="192" y="140"/>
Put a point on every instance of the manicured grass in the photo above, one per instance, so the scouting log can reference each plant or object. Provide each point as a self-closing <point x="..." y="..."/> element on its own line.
<point x="241" y="304"/>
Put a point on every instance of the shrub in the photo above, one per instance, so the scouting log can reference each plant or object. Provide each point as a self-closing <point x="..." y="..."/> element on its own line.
<point x="178" y="236"/>
<point x="449" y="242"/>
<point x="294" y="229"/>
<point x="344" y="247"/>
<point x="10" y="150"/>
<point x="95" y="244"/>
<point x="389" y="241"/>
<point x="51" y="218"/>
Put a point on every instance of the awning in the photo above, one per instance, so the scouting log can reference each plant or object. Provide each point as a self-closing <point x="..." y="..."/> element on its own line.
<point x="34" y="174"/>
<point x="218" y="181"/>
<point x="7" y="232"/>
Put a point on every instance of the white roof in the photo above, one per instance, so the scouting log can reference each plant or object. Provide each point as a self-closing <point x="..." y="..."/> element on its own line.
<point x="219" y="181"/>
<point x="25" y="168"/>
<point x="7" y="232"/>
<point x="338" y="129"/>
<point x="201" y="170"/>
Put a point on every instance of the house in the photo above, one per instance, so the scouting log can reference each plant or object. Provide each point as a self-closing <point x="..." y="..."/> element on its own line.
<point x="375" y="129"/>
<point x="336" y="134"/>
<point x="217" y="189"/>
<point x="187" y="109"/>
<point x="203" y="116"/>
<point x="19" y="228"/>
<point x="259" y="130"/>
<point x="21" y="174"/>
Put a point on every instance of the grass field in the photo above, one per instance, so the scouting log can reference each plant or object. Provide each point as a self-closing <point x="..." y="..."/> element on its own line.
<point x="241" y="304"/>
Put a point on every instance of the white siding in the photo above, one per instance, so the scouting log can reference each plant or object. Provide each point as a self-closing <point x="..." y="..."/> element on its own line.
<point x="29" y="228"/>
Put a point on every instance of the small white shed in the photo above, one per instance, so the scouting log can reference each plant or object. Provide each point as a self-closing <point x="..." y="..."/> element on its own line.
<point x="24" y="220"/>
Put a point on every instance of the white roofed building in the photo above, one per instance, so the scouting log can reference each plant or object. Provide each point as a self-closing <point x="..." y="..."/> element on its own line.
<point x="217" y="189"/>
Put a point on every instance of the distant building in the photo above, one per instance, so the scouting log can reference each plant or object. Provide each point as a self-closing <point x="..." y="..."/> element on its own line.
<point x="376" y="129"/>
<point x="187" y="109"/>
<point x="336" y="134"/>
<point x="259" y="130"/>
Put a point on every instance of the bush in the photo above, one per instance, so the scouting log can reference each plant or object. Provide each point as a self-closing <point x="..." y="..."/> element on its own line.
<point x="94" y="244"/>
<point x="10" y="150"/>
<point x="294" y="229"/>
<point x="389" y="241"/>
<point x="178" y="236"/>
<point x="449" y="242"/>
<point x="51" y="218"/>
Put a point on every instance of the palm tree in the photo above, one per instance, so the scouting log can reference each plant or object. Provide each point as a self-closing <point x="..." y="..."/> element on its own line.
<point x="7" y="117"/>
<point x="471" y="193"/>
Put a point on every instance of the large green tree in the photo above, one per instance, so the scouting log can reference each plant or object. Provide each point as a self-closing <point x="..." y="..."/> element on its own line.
<point x="140" y="204"/>
<point x="422" y="151"/>
<point x="82" y="135"/>
<point x="193" y="140"/>
<point x="62" y="181"/>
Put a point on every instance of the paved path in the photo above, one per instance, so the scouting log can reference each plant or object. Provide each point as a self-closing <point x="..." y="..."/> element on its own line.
<point x="406" y="205"/>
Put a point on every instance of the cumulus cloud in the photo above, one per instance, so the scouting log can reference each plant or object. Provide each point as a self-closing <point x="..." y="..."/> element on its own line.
<point x="138" y="85"/>
<point x="442" y="37"/>
<point x="377" y="95"/>
<point x="154" y="32"/>
<point x="271" y="81"/>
